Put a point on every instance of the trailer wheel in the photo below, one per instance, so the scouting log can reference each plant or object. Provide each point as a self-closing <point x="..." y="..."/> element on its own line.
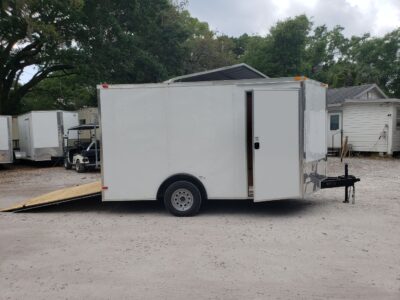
<point x="182" y="199"/>
<point x="67" y="165"/>
<point x="79" y="167"/>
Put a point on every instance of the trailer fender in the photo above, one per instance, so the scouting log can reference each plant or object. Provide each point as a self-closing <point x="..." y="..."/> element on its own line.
<point x="179" y="177"/>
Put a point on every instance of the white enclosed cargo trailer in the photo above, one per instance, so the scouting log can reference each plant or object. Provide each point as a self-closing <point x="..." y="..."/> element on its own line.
<point x="6" y="150"/>
<point x="41" y="133"/>
<point x="261" y="139"/>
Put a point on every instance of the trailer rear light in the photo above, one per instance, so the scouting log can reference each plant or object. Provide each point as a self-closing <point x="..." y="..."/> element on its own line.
<point x="104" y="188"/>
<point x="105" y="85"/>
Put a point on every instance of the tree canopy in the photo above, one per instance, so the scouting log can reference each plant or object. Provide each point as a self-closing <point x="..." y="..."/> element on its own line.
<point x="34" y="33"/>
<point x="76" y="44"/>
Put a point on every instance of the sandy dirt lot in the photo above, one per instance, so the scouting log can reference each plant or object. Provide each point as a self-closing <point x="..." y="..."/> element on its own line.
<point x="317" y="248"/>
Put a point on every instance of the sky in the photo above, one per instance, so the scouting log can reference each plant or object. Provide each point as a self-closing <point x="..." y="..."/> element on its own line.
<point x="235" y="17"/>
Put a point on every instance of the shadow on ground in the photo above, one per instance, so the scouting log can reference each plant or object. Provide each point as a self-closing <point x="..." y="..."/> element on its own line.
<point x="213" y="207"/>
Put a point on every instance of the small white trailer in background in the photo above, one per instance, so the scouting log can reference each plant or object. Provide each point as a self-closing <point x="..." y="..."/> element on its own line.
<point x="261" y="139"/>
<point x="6" y="149"/>
<point x="41" y="134"/>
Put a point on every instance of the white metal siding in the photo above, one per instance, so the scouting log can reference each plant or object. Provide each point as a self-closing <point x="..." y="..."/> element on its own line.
<point x="4" y="133"/>
<point x="277" y="161"/>
<point x="150" y="134"/>
<point x="44" y="129"/>
<point x="24" y="130"/>
<point x="315" y="144"/>
<point x="364" y="123"/>
<point x="15" y="133"/>
<point x="396" y="131"/>
<point x="70" y="119"/>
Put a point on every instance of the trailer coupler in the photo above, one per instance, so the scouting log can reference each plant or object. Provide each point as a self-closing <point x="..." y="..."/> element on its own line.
<point x="347" y="181"/>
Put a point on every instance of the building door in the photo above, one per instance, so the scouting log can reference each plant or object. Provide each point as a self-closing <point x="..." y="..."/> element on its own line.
<point x="276" y="149"/>
<point x="334" y="130"/>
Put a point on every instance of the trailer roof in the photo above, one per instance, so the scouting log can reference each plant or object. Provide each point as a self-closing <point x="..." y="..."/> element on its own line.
<point x="257" y="81"/>
<point x="234" y="72"/>
<point x="45" y="111"/>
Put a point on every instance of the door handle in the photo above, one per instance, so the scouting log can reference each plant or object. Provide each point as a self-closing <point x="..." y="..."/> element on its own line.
<point x="256" y="145"/>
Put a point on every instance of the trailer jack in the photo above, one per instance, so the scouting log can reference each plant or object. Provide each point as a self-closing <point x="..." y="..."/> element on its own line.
<point x="347" y="181"/>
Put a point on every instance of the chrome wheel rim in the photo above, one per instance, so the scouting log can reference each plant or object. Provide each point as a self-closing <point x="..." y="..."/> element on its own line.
<point x="182" y="199"/>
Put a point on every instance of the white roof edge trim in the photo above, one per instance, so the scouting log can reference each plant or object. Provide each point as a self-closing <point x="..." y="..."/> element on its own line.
<point x="374" y="86"/>
<point x="216" y="70"/>
<point x="334" y="105"/>
<point x="384" y="100"/>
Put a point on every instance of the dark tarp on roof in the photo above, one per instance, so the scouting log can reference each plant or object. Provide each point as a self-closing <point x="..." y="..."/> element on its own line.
<point x="235" y="72"/>
<point x="339" y="95"/>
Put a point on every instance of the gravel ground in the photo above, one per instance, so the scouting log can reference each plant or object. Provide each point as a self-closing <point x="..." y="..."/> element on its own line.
<point x="318" y="248"/>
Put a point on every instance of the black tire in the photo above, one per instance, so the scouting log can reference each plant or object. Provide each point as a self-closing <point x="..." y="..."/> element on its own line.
<point x="67" y="165"/>
<point x="79" y="167"/>
<point x="182" y="199"/>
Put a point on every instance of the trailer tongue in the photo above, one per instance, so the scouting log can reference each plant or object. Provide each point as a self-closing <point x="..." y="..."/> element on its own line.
<point x="85" y="191"/>
<point x="347" y="181"/>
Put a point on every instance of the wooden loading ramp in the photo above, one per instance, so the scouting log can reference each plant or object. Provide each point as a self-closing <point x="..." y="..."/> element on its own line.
<point x="60" y="196"/>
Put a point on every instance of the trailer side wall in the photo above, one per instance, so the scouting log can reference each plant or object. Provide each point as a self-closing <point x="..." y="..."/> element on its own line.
<point x="158" y="132"/>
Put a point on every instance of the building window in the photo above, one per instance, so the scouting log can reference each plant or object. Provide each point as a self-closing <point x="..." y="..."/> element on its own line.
<point x="334" y="122"/>
<point x="398" y="118"/>
<point x="82" y="121"/>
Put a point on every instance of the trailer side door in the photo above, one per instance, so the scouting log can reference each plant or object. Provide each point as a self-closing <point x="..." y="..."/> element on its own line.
<point x="276" y="138"/>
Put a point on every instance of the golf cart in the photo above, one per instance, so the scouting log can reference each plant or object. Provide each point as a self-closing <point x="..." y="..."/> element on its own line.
<point x="81" y="148"/>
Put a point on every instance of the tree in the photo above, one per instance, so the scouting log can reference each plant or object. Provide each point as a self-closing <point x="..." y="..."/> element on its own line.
<point x="86" y="42"/>
<point x="34" y="32"/>
<point x="327" y="51"/>
<point x="282" y="51"/>
<point x="255" y="53"/>
<point x="205" y="49"/>
<point x="126" y="41"/>
<point x="295" y="47"/>
<point x="357" y="60"/>
<point x="378" y="60"/>
<point x="66" y="93"/>
<point x="131" y="41"/>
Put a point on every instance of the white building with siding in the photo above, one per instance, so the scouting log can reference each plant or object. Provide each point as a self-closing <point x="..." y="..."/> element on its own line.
<point x="365" y="115"/>
<point x="89" y="115"/>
